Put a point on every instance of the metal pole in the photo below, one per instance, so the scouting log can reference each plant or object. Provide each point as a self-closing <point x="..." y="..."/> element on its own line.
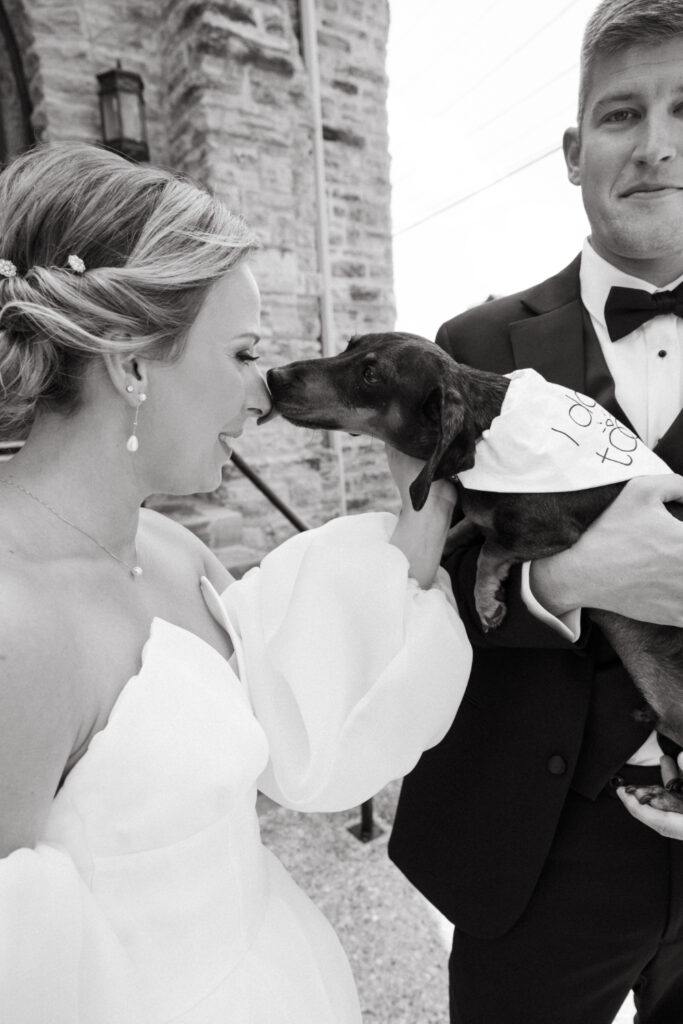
<point x="366" y="829"/>
<point x="270" y="494"/>
<point x="309" y="38"/>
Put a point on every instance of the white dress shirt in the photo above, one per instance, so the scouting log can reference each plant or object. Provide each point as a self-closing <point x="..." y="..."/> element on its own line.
<point x="647" y="369"/>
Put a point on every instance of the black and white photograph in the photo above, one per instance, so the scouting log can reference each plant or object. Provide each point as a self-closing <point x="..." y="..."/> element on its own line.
<point x="341" y="512"/>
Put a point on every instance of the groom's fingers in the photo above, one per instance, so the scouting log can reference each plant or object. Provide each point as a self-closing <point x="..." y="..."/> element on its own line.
<point x="669" y="770"/>
<point x="667" y="822"/>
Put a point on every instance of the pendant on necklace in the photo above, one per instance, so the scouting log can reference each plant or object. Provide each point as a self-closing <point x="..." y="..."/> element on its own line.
<point x="136" y="571"/>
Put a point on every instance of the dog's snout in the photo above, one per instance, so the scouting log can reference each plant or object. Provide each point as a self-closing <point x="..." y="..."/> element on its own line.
<point x="293" y="391"/>
<point x="276" y="375"/>
<point x="279" y="378"/>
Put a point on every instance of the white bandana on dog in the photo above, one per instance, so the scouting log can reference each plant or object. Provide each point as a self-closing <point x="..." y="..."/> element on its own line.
<point x="550" y="438"/>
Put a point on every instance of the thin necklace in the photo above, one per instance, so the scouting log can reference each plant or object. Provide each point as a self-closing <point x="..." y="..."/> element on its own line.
<point x="134" y="570"/>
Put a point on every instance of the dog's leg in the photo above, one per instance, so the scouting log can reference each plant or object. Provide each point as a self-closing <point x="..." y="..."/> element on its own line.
<point x="668" y="796"/>
<point x="493" y="567"/>
<point x="653" y="657"/>
<point x="658" y="797"/>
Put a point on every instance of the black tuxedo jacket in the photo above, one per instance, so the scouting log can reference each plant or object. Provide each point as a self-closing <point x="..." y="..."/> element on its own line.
<point x="478" y="814"/>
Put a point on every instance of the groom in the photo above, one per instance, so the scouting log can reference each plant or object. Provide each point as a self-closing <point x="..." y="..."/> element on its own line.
<point x="515" y="826"/>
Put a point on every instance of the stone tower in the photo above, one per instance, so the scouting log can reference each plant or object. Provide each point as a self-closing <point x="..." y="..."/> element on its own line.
<point x="229" y="101"/>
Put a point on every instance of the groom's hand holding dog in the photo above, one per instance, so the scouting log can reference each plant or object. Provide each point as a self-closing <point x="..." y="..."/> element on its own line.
<point x="630" y="560"/>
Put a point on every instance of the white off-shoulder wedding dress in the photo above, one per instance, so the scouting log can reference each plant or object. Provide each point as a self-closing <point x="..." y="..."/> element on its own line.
<point x="150" y="897"/>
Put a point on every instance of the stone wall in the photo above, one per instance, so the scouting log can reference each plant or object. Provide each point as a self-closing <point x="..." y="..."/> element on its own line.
<point x="228" y="101"/>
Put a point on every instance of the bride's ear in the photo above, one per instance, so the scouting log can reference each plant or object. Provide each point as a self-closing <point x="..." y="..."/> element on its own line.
<point x="127" y="373"/>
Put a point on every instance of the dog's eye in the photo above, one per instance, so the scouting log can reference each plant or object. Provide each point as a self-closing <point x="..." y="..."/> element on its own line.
<point x="370" y="375"/>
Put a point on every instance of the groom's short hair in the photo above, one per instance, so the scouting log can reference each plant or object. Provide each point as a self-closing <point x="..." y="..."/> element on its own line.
<point x="616" y="25"/>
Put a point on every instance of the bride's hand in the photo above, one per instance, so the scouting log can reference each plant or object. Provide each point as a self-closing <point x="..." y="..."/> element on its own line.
<point x="420" y="535"/>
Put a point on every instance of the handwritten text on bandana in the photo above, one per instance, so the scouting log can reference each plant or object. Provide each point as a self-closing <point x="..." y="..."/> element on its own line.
<point x="550" y="438"/>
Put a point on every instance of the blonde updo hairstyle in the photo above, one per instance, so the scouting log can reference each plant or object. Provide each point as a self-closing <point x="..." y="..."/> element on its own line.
<point x="152" y="243"/>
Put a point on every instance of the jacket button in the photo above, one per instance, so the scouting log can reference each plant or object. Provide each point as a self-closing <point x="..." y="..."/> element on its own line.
<point x="617" y="781"/>
<point x="556" y="765"/>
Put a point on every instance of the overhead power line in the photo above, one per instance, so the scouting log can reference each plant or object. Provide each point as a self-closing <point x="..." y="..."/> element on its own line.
<point x="417" y="166"/>
<point x="477" y="192"/>
<point x="523" y="99"/>
<point x="506" y="60"/>
<point x="412" y="30"/>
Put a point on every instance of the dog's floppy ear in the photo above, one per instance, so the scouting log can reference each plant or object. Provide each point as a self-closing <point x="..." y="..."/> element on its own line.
<point x="454" y="448"/>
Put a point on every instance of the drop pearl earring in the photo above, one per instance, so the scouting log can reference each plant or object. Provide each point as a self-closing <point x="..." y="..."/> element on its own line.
<point x="132" y="443"/>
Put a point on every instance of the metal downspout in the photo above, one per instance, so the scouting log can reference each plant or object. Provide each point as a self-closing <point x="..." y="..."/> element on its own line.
<point x="309" y="39"/>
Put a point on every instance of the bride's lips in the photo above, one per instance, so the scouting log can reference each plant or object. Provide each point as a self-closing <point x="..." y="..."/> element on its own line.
<point x="226" y="441"/>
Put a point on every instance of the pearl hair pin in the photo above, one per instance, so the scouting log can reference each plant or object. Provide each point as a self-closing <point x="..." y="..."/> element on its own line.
<point x="76" y="263"/>
<point x="8" y="269"/>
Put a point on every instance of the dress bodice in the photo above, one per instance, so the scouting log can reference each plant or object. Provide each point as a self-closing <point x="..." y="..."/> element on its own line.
<point x="162" y="802"/>
<point x="166" y="737"/>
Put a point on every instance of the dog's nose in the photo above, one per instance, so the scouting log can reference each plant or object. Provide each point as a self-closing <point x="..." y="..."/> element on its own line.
<point x="278" y="378"/>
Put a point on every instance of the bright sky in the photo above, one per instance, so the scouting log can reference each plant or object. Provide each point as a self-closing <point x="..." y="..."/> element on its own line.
<point x="477" y="91"/>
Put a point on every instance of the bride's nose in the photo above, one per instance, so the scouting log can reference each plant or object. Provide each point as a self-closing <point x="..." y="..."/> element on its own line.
<point x="259" y="402"/>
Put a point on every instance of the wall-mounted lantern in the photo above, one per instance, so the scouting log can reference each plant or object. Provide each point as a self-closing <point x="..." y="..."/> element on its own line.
<point x="123" y="113"/>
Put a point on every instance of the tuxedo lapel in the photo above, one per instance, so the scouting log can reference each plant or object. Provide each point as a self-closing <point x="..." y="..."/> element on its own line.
<point x="551" y="340"/>
<point x="560" y="342"/>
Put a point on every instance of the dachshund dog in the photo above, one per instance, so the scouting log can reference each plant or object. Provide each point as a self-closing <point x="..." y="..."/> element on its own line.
<point x="406" y="391"/>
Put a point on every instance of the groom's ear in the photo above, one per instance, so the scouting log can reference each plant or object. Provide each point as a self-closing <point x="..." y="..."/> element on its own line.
<point x="571" y="146"/>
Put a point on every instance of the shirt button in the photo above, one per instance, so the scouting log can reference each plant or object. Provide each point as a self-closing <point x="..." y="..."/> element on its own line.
<point x="556" y="765"/>
<point x="662" y="353"/>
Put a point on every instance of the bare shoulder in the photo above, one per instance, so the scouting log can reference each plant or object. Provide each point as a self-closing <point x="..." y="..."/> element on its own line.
<point x="39" y="709"/>
<point x="178" y="544"/>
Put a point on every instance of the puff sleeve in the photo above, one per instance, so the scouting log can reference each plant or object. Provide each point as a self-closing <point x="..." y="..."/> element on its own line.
<point x="352" y="669"/>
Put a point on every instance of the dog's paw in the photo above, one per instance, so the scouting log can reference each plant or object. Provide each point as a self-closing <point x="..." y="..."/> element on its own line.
<point x="658" y="797"/>
<point x="491" y="608"/>
<point x="494" y="619"/>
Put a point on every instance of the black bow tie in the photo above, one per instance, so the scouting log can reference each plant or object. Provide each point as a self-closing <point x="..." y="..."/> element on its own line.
<point x="628" y="308"/>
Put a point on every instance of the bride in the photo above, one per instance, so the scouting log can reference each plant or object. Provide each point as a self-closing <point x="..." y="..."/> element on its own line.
<point x="145" y="695"/>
